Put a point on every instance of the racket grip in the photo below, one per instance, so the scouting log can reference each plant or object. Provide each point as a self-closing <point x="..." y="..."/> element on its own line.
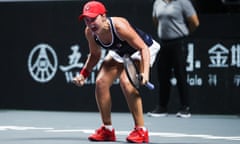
<point x="149" y="85"/>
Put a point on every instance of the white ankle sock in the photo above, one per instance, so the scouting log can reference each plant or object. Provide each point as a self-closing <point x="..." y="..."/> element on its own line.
<point x="142" y="127"/>
<point x="109" y="127"/>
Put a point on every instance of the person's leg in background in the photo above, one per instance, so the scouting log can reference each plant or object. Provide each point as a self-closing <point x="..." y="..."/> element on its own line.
<point x="164" y="64"/>
<point x="180" y="53"/>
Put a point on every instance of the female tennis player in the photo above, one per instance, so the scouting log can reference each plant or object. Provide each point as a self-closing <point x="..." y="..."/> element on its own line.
<point x="119" y="37"/>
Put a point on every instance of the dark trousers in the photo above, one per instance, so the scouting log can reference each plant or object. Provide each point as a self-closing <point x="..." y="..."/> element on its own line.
<point x="172" y="55"/>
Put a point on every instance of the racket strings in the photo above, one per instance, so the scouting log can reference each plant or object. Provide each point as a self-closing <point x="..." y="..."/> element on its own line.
<point x="133" y="73"/>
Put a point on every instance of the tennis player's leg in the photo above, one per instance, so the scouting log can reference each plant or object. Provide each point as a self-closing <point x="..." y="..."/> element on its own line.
<point x="109" y="71"/>
<point x="134" y="101"/>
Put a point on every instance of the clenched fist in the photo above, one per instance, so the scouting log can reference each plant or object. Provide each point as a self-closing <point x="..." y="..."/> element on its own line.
<point x="79" y="80"/>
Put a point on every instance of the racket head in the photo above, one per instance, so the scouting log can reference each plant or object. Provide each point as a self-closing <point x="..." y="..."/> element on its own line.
<point x="132" y="71"/>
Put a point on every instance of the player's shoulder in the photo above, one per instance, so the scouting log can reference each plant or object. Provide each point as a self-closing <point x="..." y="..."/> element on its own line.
<point x="120" y="22"/>
<point x="121" y="25"/>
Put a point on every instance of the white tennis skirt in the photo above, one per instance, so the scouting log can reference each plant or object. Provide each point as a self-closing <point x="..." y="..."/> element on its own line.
<point x="154" y="49"/>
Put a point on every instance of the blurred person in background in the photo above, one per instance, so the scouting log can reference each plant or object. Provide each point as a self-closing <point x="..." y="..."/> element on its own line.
<point x="175" y="21"/>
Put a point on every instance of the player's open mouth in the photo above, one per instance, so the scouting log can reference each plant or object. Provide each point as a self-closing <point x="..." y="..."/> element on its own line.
<point x="94" y="28"/>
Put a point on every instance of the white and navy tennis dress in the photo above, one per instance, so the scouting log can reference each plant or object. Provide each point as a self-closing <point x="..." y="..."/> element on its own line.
<point x="117" y="48"/>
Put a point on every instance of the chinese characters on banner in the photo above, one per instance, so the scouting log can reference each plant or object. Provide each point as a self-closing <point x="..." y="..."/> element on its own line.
<point x="216" y="59"/>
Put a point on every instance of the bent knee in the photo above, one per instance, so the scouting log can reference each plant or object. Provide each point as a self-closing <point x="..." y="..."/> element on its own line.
<point x="102" y="82"/>
<point x="125" y="84"/>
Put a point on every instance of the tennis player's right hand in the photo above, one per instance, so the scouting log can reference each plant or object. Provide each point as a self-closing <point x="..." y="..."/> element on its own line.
<point x="79" y="80"/>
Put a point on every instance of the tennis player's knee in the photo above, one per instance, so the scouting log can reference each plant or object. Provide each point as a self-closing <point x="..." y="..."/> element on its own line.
<point x="124" y="80"/>
<point x="101" y="82"/>
<point x="125" y="84"/>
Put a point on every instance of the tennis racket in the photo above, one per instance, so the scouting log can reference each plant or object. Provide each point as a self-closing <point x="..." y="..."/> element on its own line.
<point x="133" y="73"/>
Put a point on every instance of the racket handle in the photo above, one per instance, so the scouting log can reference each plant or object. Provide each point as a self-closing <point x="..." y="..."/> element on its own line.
<point x="149" y="85"/>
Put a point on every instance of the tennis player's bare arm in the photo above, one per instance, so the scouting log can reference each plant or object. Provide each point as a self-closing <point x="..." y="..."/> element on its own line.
<point x="127" y="33"/>
<point x="93" y="57"/>
<point x="94" y="50"/>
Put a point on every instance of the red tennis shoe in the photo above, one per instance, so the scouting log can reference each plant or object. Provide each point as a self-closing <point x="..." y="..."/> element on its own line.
<point x="103" y="134"/>
<point x="138" y="135"/>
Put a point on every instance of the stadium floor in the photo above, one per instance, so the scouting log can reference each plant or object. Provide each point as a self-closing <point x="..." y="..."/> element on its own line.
<point x="51" y="127"/>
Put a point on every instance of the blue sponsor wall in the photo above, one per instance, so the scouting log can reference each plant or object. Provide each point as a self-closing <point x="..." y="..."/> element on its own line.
<point x="43" y="48"/>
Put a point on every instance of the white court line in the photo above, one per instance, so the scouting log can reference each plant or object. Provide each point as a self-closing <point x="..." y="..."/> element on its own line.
<point x="3" y="128"/>
<point x="89" y="131"/>
<point x="161" y="134"/>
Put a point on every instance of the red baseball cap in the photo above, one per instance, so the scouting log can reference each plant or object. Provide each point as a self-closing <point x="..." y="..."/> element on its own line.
<point x="92" y="9"/>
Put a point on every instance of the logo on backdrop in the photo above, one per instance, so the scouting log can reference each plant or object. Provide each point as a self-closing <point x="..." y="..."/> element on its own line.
<point x="192" y="64"/>
<point x="42" y="63"/>
<point x="74" y="63"/>
<point x="220" y="56"/>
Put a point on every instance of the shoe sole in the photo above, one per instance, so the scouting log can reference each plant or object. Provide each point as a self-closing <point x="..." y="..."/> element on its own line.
<point x="157" y="115"/>
<point x="130" y="141"/>
<point x="183" y="116"/>
<point x="91" y="139"/>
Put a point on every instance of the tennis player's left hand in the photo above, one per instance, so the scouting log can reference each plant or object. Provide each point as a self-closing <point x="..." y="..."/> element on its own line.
<point x="145" y="78"/>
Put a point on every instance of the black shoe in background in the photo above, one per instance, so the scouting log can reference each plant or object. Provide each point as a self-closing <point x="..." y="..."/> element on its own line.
<point x="158" y="112"/>
<point x="184" y="112"/>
